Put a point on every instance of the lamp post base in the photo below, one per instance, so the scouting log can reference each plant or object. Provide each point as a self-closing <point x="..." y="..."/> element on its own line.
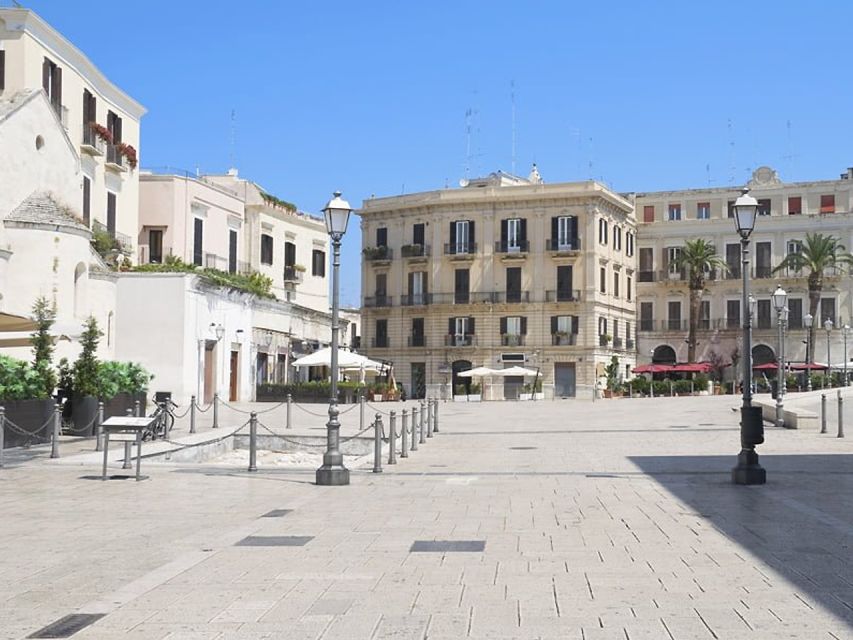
<point x="748" y="471"/>
<point x="332" y="476"/>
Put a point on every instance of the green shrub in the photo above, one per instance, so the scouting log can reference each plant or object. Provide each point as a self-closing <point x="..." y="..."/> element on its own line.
<point x="20" y="381"/>
<point x="45" y="315"/>
<point x="683" y="386"/>
<point x="700" y="381"/>
<point x="254" y="282"/>
<point x="121" y="377"/>
<point x="661" y="387"/>
<point x="637" y="385"/>
<point x="318" y="389"/>
<point x="86" y="366"/>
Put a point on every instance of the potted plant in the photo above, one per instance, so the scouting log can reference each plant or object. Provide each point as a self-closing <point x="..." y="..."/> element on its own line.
<point x="474" y="394"/>
<point x="84" y="405"/>
<point x="299" y="268"/>
<point x="23" y="397"/>
<point x="121" y="385"/>
<point x="460" y="393"/>
<point x="611" y="371"/>
<point x="102" y="132"/>
<point x="129" y="153"/>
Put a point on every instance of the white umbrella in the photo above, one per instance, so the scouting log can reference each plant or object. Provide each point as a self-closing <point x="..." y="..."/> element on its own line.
<point x="323" y="358"/>
<point x="517" y="371"/>
<point x="25" y="339"/>
<point x="478" y="372"/>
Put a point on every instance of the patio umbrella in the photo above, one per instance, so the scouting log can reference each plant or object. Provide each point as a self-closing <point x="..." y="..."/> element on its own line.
<point x="478" y="372"/>
<point x="346" y="360"/>
<point x="517" y="371"/>
<point x="803" y="366"/>
<point x="767" y="366"/>
<point x="654" y="367"/>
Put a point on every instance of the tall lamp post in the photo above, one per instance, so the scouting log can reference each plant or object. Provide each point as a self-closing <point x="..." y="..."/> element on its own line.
<point x="333" y="472"/>
<point x="828" y="324"/>
<point x="808" y="320"/>
<point x="845" y="330"/>
<point x="747" y="470"/>
<point x="780" y="302"/>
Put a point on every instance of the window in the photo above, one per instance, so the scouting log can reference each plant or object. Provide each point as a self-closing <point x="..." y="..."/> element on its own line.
<point x="705" y="314"/>
<point x="460" y="330"/>
<point x="318" y="263"/>
<point x="675" y="212"/>
<point x="114" y="126"/>
<point x="763" y="206"/>
<point x="629" y="281"/>
<point x="381" y="285"/>
<point x="629" y="244"/>
<point x="111" y="214"/>
<point x="616" y="284"/>
<point x="564" y="283"/>
<point x="617" y="238"/>
<point x="795" y="313"/>
<point x="732" y="314"/>
<point x="513" y="284"/>
<point x="198" y="239"/>
<point x="90" y="115"/>
<point x="703" y="211"/>
<point x="512" y="329"/>
<point x="647" y="317"/>
<point x="461" y="236"/>
<point x="87" y="200"/>
<point x="602" y="280"/>
<point x="628" y="338"/>
<point x="155" y="246"/>
<point x="289" y="254"/>
<point x="795" y="206"/>
<point x="794" y="246"/>
<point x="51" y="77"/>
<point x="564" y="233"/>
<point x="602" y="326"/>
<point x="417" y="287"/>
<point x="462" y="286"/>
<point x="232" y="251"/>
<point x="418" y="333"/>
<point x="827" y="310"/>
<point x="673" y="308"/>
<point x="647" y="266"/>
<point x="649" y="213"/>
<point x="2" y="69"/>
<point x="382" y="237"/>
<point x="731" y="208"/>
<point x="266" y="249"/>
<point x="513" y="235"/>
<point x="733" y="260"/>
<point x="827" y="204"/>
<point x="764" y="314"/>
<point x="763" y="257"/>
<point x="381" y="339"/>
<point x="564" y="324"/>
<point x="673" y="255"/>
<point x="602" y="231"/>
<point x="418" y="234"/>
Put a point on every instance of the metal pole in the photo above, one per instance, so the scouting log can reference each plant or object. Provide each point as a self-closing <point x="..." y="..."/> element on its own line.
<point x="289" y="411"/>
<point x="377" y="444"/>
<point x="361" y="402"/>
<point x="631" y="389"/>
<point x="2" y="433"/>
<point x="692" y="389"/>
<point x="670" y="389"/>
<point x="780" y="374"/>
<point x="844" y="335"/>
<point x="808" y="359"/>
<point x="435" y="415"/>
<point x="415" y="428"/>
<point x="216" y="410"/>
<point x="828" y="361"/>
<point x="192" y="414"/>
<point x="421" y="426"/>
<point x="425" y="419"/>
<point x="136" y="409"/>
<point x="392" y="438"/>
<point x="840" y="416"/>
<point x="823" y="413"/>
<point x="99" y="430"/>
<point x="404" y="433"/>
<point x="652" y="386"/>
<point x="253" y="441"/>
<point x="54" y="440"/>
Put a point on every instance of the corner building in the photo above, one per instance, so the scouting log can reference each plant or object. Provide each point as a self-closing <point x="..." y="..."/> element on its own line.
<point x="503" y="271"/>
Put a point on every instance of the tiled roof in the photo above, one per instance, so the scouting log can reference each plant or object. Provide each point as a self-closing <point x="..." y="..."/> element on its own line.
<point x="11" y="103"/>
<point x="42" y="208"/>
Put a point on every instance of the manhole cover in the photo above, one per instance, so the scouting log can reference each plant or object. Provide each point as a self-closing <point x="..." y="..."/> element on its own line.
<point x="275" y="541"/>
<point x="67" y="626"/>
<point x="446" y="546"/>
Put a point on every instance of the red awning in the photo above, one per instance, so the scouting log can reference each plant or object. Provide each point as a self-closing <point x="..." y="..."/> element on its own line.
<point x="767" y="366"/>
<point x="802" y="366"/>
<point x="692" y="367"/>
<point x="655" y="367"/>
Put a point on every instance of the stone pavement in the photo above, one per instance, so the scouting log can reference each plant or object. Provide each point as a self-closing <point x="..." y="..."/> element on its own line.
<point x="572" y="519"/>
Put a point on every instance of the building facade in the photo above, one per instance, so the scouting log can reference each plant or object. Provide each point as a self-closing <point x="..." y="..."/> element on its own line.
<point x="787" y="212"/>
<point x="504" y="271"/>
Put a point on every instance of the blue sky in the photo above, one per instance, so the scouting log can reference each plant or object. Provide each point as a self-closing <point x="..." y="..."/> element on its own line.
<point x="371" y="98"/>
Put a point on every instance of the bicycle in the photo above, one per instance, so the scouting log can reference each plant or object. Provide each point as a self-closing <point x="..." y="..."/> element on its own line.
<point x="164" y="420"/>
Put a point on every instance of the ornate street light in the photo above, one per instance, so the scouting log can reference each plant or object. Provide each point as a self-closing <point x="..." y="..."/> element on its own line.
<point x="333" y="472"/>
<point x="780" y="303"/>
<point x="747" y="471"/>
<point x="828" y="324"/>
<point x="808" y="321"/>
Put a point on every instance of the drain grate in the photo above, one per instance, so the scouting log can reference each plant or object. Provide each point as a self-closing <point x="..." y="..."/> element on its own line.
<point x="447" y="546"/>
<point x="67" y="626"/>
<point x="523" y="448"/>
<point x="601" y="475"/>
<point x="276" y="513"/>
<point x="275" y="541"/>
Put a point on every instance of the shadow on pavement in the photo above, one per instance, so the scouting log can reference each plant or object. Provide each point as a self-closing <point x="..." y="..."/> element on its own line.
<point x="800" y="523"/>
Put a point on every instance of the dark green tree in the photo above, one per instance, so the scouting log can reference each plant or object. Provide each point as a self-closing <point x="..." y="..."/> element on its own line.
<point x="86" y="366"/>
<point x="44" y="315"/>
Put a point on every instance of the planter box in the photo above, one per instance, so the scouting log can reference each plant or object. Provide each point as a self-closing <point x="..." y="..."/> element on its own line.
<point x="29" y="415"/>
<point x="118" y="405"/>
<point x="460" y="398"/>
<point x="474" y="398"/>
<point x="83" y="412"/>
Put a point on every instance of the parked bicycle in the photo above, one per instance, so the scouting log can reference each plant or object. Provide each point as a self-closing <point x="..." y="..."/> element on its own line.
<point x="164" y="420"/>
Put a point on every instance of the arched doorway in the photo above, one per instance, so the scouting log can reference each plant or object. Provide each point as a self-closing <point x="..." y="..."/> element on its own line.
<point x="663" y="354"/>
<point x="457" y="367"/>
<point x="762" y="354"/>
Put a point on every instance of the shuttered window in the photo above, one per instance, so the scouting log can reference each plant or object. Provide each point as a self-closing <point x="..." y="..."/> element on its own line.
<point x="198" y="241"/>
<point x="266" y="248"/>
<point x="111" y="214"/>
<point x="87" y="200"/>
<point x="795" y="206"/>
<point x="232" y="251"/>
<point x="318" y="263"/>
<point x="827" y="204"/>
<point x="649" y="213"/>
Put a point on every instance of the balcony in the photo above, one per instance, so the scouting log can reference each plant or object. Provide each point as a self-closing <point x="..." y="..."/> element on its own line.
<point x="121" y="243"/>
<point x="115" y="160"/>
<point x="377" y="301"/>
<point x="629" y="345"/>
<point x="617" y="342"/>
<point x="377" y="254"/>
<point x="646" y="276"/>
<point x="512" y="251"/>
<point x="461" y="250"/>
<point x="563" y="339"/>
<point x="417" y="341"/>
<point x="415" y="251"/>
<point x="762" y="272"/>
<point x="513" y="297"/>
<point x="733" y="272"/>
<point x="294" y="274"/>
<point x="379" y="342"/>
<point x="647" y="324"/>
<point x="604" y="341"/>
<point x="563" y="295"/>
<point x="92" y="143"/>
<point x="415" y="299"/>
<point x="459" y="340"/>
<point x="672" y="275"/>
<point x="563" y="245"/>
<point x="462" y="297"/>
<point x="213" y="261"/>
<point x="512" y="340"/>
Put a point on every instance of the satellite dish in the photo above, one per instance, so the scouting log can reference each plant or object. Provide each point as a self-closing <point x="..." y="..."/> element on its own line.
<point x="463" y="182"/>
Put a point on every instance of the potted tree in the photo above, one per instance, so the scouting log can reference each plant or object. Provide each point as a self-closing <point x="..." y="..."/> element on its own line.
<point x="611" y="371"/>
<point x="121" y="385"/>
<point x="84" y="405"/>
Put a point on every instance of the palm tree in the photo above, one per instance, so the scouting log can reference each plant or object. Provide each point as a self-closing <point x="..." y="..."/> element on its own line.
<point x="697" y="258"/>
<point x="817" y="254"/>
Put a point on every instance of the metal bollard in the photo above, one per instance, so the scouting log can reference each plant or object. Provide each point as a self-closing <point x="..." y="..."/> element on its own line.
<point x="289" y="411"/>
<point x="215" y="410"/>
<point x="253" y="441"/>
<point x="361" y="402"/>
<point x="377" y="444"/>
<point x="192" y="414"/>
<point x="99" y="430"/>
<point x="54" y="440"/>
<point x="425" y="418"/>
<point x="429" y="419"/>
<point x="404" y="435"/>
<point x="421" y="426"/>
<point x="136" y="409"/>
<point x="840" y="416"/>
<point x="392" y="438"/>
<point x="630" y="389"/>
<point x="2" y="433"/>
<point x="692" y="389"/>
<point x="415" y="428"/>
<point x="823" y="413"/>
<point x="670" y="389"/>
<point x="435" y="415"/>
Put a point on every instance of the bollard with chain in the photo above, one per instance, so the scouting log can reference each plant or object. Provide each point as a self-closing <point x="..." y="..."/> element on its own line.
<point x="429" y="418"/>
<point x="392" y="437"/>
<point x="377" y="444"/>
<point x="404" y="435"/>
<point x="192" y="414"/>
<point x="99" y="429"/>
<point x="840" y="416"/>
<point x="425" y="419"/>
<point x="361" y="403"/>
<point x="823" y="413"/>
<point x="289" y="411"/>
<point x="54" y="440"/>
<point x="435" y="415"/>
<point x="421" y="425"/>
<point x="415" y="428"/>
<point x="136" y="409"/>
<point x="253" y="441"/>
<point x="670" y="389"/>
<point x="2" y="433"/>
<point x="216" y="410"/>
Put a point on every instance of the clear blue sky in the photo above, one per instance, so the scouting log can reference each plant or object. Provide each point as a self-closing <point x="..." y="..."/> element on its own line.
<point x="371" y="98"/>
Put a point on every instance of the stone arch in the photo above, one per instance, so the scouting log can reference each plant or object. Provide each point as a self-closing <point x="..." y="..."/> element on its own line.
<point x="664" y="354"/>
<point x="458" y="367"/>
<point x="762" y="354"/>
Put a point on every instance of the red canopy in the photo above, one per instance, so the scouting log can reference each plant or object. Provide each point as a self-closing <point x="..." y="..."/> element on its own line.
<point x="802" y="366"/>
<point x="692" y="367"/>
<point x="767" y="366"/>
<point x="654" y="367"/>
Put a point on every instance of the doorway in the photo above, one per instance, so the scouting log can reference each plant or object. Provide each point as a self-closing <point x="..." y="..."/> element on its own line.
<point x="458" y="367"/>
<point x="512" y="387"/>
<point x="209" y="370"/>
<point x="564" y="379"/>
<point x="418" y="388"/>
<point x="233" y="376"/>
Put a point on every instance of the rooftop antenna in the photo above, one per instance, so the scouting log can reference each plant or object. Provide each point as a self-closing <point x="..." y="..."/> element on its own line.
<point x="469" y="112"/>
<point x="731" y="152"/>
<point x="512" y="99"/>
<point x="708" y="173"/>
<point x="233" y="141"/>
<point x="791" y="156"/>
<point x="589" y="158"/>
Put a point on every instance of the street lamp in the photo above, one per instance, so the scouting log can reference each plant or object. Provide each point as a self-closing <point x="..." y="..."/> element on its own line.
<point x="808" y="321"/>
<point x="845" y="330"/>
<point x="651" y="374"/>
<point x="828" y="324"/>
<point x="747" y="471"/>
<point x="780" y="303"/>
<point x="333" y="472"/>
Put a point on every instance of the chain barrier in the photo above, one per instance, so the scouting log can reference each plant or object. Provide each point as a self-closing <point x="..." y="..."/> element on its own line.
<point x="319" y="415"/>
<point x="180" y="416"/>
<point x="182" y="445"/>
<point x="68" y="429"/>
<point x="233" y="408"/>
<point x="291" y="440"/>
<point x="384" y="413"/>
<point x="24" y="432"/>
<point x="205" y="410"/>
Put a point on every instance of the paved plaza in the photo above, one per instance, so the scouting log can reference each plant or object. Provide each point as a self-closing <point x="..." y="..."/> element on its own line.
<point x="567" y="519"/>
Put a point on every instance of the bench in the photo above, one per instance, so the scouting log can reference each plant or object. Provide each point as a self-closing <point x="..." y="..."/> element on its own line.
<point x="126" y="429"/>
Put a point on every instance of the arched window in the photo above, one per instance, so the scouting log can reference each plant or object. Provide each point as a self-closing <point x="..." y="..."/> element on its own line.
<point x="664" y="354"/>
<point x="762" y="354"/>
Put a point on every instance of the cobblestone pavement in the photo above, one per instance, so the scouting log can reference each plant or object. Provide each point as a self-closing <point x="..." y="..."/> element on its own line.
<point x="606" y="520"/>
